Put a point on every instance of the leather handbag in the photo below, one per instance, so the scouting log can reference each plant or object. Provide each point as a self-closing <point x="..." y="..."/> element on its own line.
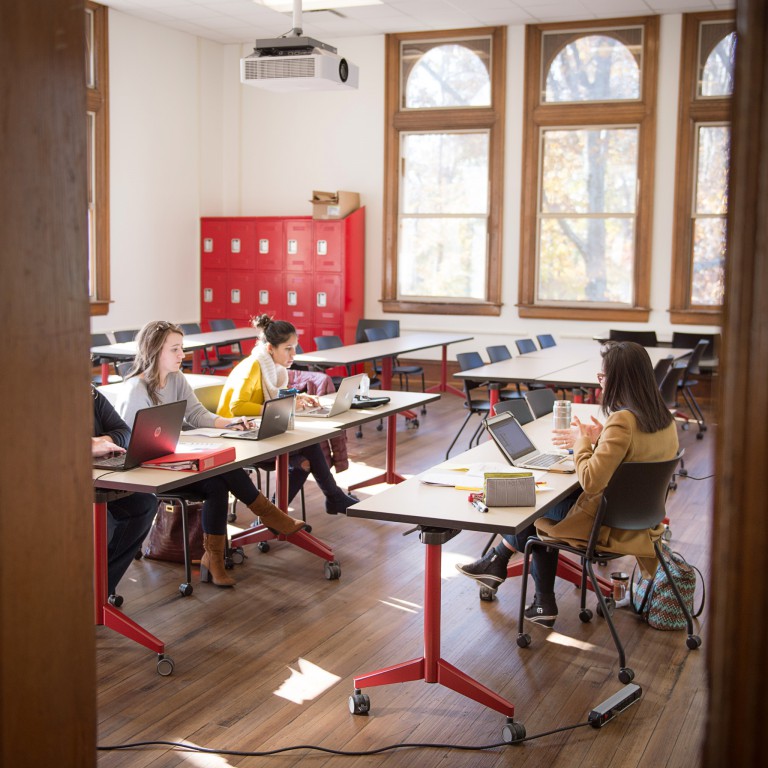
<point x="166" y="537"/>
<point x="654" y="600"/>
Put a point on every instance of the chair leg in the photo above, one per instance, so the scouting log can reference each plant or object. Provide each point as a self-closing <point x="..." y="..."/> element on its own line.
<point x="476" y="436"/>
<point x="529" y="545"/>
<point x="423" y="389"/>
<point x="461" y="429"/>
<point x="488" y="545"/>
<point x="609" y="620"/>
<point x="185" y="536"/>
<point x="693" y="407"/>
<point x="678" y="596"/>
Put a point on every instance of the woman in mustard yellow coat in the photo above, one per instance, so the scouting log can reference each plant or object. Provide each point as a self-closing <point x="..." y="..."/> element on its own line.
<point x="639" y="428"/>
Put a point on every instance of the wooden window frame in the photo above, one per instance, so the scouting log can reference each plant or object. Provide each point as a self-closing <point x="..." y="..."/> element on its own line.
<point x="97" y="100"/>
<point x="641" y="113"/>
<point x="691" y="113"/>
<point x="483" y="118"/>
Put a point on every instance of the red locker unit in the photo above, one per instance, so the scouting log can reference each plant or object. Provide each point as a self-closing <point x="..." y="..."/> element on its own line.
<point x="293" y="268"/>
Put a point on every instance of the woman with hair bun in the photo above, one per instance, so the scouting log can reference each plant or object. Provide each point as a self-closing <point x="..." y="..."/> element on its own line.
<point x="156" y="378"/>
<point x="260" y="377"/>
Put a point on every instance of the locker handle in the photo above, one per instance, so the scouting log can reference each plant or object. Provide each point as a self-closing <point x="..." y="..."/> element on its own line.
<point x="322" y="247"/>
<point x="264" y="245"/>
<point x="208" y="245"/>
<point x="322" y="299"/>
<point x="208" y="295"/>
<point x="263" y="297"/>
<point x="235" y="296"/>
<point x="292" y="299"/>
<point x="235" y="245"/>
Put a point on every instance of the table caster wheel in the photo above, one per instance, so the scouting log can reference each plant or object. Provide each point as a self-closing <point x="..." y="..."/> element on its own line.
<point x="332" y="570"/>
<point x="263" y="546"/>
<point x="626" y="675"/>
<point x="610" y="604"/>
<point x="523" y="640"/>
<point x="307" y="529"/>
<point x="585" y="615"/>
<point x="513" y="732"/>
<point x="359" y="703"/>
<point x="693" y="642"/>
<point x="116" y="600"/>
<point x="185" y="589"/>
<point x="164" y="665"/>
<point x="487" y="595"/>
<point x="238" y="556"/>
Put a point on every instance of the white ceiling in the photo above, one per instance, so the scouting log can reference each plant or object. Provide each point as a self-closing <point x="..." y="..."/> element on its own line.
<point x="242" y="21"/>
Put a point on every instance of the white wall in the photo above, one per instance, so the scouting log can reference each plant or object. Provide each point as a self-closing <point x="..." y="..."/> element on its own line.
<point x="262" y="153"/>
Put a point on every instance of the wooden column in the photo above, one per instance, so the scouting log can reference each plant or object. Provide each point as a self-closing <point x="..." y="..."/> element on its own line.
<point x="47" y="656"/>
<point x="737" y="646"/>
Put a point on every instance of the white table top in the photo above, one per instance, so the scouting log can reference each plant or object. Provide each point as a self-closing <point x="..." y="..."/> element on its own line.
<point x="371" y="350"/>
<point x="415" y="503"/>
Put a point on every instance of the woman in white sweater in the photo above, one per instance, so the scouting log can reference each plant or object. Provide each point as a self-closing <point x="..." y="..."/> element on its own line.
<point x="156" y="378"/>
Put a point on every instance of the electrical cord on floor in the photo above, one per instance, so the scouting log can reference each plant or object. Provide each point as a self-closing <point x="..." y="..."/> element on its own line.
<point x="691" y="477"/>
<point x="345" y="753"/>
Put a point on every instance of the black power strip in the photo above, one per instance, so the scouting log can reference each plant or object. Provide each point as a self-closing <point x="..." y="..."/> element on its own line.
<point x="611" y="707"/>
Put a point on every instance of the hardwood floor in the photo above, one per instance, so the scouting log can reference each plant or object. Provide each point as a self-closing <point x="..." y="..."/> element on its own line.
<point x="270" y="663"/>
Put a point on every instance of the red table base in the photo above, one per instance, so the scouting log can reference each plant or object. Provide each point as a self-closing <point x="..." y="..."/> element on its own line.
<point x="430" y="667"/>
<point x="444" y="386"/>
<point x="389" y="476"/>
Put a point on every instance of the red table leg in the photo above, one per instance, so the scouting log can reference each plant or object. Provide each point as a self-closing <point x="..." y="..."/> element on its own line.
<point x="105" y="373"/>
<point x="430" y="667"/>
<point x="568" y="571"/>
<point x="197" y="361"/>
<point x="493" y="396"/>
<point x="389" y="476"/>
<point x="444" y="386"/>
<point x="106" y="614"/>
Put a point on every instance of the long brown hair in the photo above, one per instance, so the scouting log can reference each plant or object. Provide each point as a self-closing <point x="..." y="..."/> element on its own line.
<point x="149" y="341"/>
<point x="630" y="383"/>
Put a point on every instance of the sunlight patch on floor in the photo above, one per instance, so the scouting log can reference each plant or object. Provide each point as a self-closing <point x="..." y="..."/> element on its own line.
<point x="403" y="605"/>
<point x="569" y="642"/>
<point x="306" y="683"/>
<point x="200" y="760"/>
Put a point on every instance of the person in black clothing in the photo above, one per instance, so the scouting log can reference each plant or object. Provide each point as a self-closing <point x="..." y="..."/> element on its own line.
<point x="130" y="517"/>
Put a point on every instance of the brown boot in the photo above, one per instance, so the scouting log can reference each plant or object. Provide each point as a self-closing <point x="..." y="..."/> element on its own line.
<point x="212" y="561"/>
<point x="273" y="517"/>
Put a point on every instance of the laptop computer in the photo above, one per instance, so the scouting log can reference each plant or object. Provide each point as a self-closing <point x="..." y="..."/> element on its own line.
<point x="518" y="448"/>
<point x="155" y="433"/>
<point x="340" y="402"/>
<point x="275" y="417"/>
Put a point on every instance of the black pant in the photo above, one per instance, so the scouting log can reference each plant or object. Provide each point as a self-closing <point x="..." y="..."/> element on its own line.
<point x="130" y="519"/>
<point x="215" y="491"/>
<point x="318" y="467"/>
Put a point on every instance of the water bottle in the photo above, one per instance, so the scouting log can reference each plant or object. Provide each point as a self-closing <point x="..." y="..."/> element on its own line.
<point x="292" y="394"/>
<point x="365" y="384"/>
<point x="561" y="414"/>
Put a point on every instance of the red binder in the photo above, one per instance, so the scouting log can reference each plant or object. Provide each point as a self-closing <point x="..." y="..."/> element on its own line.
<point x="193" y="460"/>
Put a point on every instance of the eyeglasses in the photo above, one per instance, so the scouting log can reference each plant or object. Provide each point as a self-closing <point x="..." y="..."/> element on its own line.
<point x="600" y="377"/>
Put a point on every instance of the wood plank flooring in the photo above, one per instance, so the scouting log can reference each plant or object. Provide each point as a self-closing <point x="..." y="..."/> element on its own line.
<point x="270" y="663"/>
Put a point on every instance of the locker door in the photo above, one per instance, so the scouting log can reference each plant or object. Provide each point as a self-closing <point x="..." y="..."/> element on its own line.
<point x="328" y="246"/>
<point x="269" y="295"/>
<point x="241" y="296"/>
<point x="213" y="294"/>
<point x="270" y="245"/>
<point x="213" y="243"/>
<point x="298" y="245"/>
<point x="327" y="300"/>
<point x="299" y="301"/>
<point x="241" y="244"/>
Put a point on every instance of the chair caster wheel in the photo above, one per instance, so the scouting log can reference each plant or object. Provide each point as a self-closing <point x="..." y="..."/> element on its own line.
<point x="626" y="675"/>
<point x="699" y="435"/>
<point x="332" y="570"/>
<point x="358" y="434"/>
<point x="238" y="556"/>
<point x="263" y="546"/>
<point x="185" y="589"/>
<point x="231" y="517"/>
<point x="585" y="616"/>
<point x="523" y="640"/>
<point x="139" y="554"/>
<point x="693" y="642"/>
<point x="164" y="665"/>
<point x="116" y="600"/>
<point x="487" y="595"/>
<point x="513" y="732"/>
<point x="423" y="410"/>
<point x="610" y="604"/>
<point x="683" y="472"/>
<point x="229" y="563"/>
<point x="379" y="427"/>
<point x="307" y="529"/>
<point x="359" y="703"/>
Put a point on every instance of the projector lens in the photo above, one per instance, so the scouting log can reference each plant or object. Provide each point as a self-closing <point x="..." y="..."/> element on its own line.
<point x="343" y="70"/>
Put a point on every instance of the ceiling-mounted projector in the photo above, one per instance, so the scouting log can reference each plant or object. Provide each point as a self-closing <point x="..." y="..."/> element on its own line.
<point x="297" y="63"/>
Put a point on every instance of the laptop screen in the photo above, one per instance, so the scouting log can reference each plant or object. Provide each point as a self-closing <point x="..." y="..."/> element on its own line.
<point x="509" y="436"/>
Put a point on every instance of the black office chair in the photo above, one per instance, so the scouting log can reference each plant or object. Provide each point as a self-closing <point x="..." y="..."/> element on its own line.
<point x="210" y="363"/>
<point x="235" y="354"/>
<point x="546" y="340"/>
<point x="121" y="336"/>
<point x="634" y="500"/>
<point x="391" y="327"/>
<point x="496" y="354"/>
<point x="518" y="407"/>
<point x="644" y="338"/>
<point x="525" y="346"/>
<point x="379" y="334"/>
<point x="682" y="340"/>
<point x="473" y="404"/>
<point x="540" y="401"/>
<point x="661" y="369"/>
<point x="687" y="382"/>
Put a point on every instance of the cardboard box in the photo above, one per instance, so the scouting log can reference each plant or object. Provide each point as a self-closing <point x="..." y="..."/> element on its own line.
<point x="334" y="205"/>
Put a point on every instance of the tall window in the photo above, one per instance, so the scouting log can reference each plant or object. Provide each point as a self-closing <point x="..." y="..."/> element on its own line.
<point x="588" y="170"/>
<point x="701" y="201"/>
<point x="444" y="158"/>
<point x="97" y="128"/>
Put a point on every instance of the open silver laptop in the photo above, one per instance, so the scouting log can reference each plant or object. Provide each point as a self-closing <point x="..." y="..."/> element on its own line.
<point x="340" y="402"/>
<point x="275" y="417"/>
<point x="518" y="448"/>
<point x="155" y="433"/>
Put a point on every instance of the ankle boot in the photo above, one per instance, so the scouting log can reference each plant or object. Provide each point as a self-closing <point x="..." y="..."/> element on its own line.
<point x="273" y="517"/>
<point x="212" y="561"/>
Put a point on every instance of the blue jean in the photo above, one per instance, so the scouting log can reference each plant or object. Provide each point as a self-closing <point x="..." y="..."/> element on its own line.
<point x="543" y="561"/>
<point x="129" y="521"/>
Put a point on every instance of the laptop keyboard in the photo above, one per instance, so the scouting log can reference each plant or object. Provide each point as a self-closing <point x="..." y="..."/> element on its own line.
<point x="545" y="460"/>
<point x="112" y="461"/>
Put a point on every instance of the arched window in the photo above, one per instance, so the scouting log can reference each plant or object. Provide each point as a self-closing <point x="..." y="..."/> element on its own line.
<point x="717" y="73"/>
